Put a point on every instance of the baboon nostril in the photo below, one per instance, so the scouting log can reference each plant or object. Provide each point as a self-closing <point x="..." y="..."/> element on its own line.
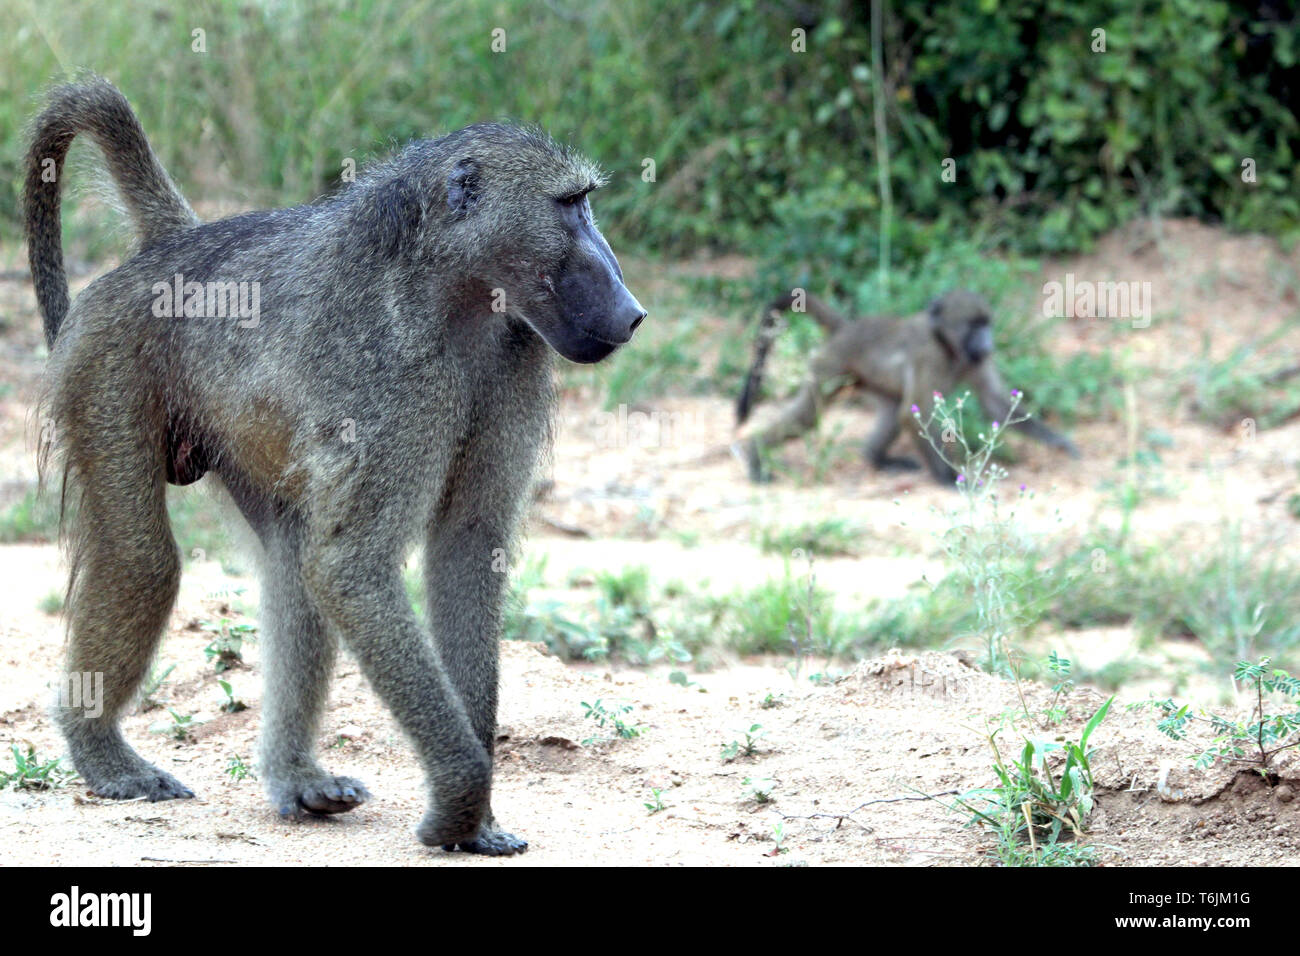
<point x="635" y="322"/>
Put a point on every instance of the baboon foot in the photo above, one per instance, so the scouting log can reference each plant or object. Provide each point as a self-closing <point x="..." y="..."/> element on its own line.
<point x="491" y="841"/>
<point x="897" y="464"/>
<point x="319" y="793"/>
<point x="747" y="453"/>
<point x="143" y="781"/>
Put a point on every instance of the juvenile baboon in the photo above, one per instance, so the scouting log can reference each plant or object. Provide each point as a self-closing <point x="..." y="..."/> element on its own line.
<point x="903" y="363"/>
<point x="394" y="386"/>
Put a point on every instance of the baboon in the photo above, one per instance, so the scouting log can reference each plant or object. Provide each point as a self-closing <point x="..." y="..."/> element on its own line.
<point x="903" y="363"/>
<point x="394" y="387"/>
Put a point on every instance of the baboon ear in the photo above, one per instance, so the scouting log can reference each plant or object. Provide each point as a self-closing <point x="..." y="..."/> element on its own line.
<point x="935" y="308"/>
<point x="463" y="186"/>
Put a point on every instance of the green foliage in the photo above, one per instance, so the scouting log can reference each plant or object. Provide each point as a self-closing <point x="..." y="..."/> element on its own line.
<point x="1247" y="388"/>
<point x="759" y="789"/>
<point x="230" y="705"/>
<point x="152" y="684"/>
<point x="656" y="802"/>
<point x="180" y="728"/>
<point x="1264" y="734"/>
<point x="747" y="748"/>
<point x="227" y="649"/>
<point x="237" y="770"/>
<point x="1052" y="142"/>
<point x="1036" y="804"/>
<point x="32" y="773"/>
<point x="52" y="603"/>
<point x="33" y="517"/>
<point x="825" y="537"/>
<point x="610" y="717"/>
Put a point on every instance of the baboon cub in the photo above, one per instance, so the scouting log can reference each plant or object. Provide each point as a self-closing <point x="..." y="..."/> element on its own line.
<point x="385" y="381"/>
<point x="903" y="363"/>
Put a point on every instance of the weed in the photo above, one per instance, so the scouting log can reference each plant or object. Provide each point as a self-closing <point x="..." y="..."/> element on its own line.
<point x="610" y="717"/>
<point x="1263" y="734"/>
<point x="746" y="749"/>
<point x="32" y="773"/>
<point x="1034" y="804"/>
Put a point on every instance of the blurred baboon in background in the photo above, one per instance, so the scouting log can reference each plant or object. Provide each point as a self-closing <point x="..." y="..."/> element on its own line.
<point x="392" y="385"/>
<point x="902" y="362"/>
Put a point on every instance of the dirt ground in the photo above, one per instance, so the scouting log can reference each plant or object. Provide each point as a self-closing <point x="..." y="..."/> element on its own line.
<point x="847" y="763"/>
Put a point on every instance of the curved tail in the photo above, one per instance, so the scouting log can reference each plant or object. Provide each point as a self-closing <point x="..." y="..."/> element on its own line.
<point x="829" y="319"/>
<point x="156" y="207"/>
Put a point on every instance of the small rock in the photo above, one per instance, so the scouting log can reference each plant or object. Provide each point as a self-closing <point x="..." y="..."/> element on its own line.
<point x="1284" y="793"/>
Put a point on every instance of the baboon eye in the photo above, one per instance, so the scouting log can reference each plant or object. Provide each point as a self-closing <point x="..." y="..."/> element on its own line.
<point x="574" y="200"/>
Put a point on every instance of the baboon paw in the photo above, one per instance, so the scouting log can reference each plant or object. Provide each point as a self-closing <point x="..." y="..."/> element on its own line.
<point x="898" y="464"/>
<point x="149" y="782"/>
<point x="321" y="795"/>
<point x="490" y="842"/>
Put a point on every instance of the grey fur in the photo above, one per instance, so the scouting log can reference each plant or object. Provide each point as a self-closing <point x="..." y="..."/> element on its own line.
<point x="376" y="309"/>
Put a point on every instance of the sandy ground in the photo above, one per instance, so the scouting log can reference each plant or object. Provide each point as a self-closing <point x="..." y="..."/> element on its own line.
<point x="848" y="762"/>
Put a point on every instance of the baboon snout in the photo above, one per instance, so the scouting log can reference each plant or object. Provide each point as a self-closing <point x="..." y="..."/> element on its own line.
<point x="628" y="314"/>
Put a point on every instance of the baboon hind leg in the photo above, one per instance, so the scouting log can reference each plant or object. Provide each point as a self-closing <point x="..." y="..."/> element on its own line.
<point x="126" y="576"/>
<point x="298" y="654"/>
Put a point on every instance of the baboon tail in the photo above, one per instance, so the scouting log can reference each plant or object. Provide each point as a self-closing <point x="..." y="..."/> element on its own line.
<point x="768" y="327"/>
<point x="829" y="319"/>
<point x="156" y="207"/>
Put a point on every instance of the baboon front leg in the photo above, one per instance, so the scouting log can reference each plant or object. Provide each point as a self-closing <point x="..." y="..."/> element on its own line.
<point x="466" y="572"/>
<point x="353" y="576"/>
<point x="298" y="654"/>
<point x="882" y="436"/>
<point x="127" y="576"/>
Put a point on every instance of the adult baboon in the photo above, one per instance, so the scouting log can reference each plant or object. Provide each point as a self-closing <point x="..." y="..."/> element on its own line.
<point x="903" y="363"/>
<point x="391" y="384"/>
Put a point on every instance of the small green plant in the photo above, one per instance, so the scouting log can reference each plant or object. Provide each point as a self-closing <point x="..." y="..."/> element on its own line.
<point x="982" y="544"/>
<point x="180" y="728"/>
<point x="746" y="749"/>
<point x="655" y="803"/>
<point x="759" y="789"/>
<point x="231" y="705"/>
<point x="772" y="700"/>
<point x="826" y="537"/>
<point x="51" y="604"/>
<point x="153" y="683"/>
<point x="237" y="770"/>
<point x="611" y="717"/>
<point x="227" y="648"/>
<point x="32" y="773"/>
<point x="778" y="838"/>
<point x="1033" y="805"/>
<point x="1257" y="739"/>
<point x="1060" y="668"/>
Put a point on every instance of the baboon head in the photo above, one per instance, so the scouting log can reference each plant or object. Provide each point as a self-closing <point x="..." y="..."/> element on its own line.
<point x="960" y="322"/>
<point x="516" y="203"/>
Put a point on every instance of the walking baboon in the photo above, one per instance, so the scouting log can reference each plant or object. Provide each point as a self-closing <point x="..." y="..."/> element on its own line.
<point x="390" y="384"/>
<point x="903" y="363"/>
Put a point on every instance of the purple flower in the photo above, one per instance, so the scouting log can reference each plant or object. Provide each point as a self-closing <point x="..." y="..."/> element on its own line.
<point x="995" y="426"/>
<point x="915" y="410"/>
<point x="1015" y="393"/>
<point x="938" y="394"/>
<point x="1022" y="487"/>
<point x="961" y="479"/>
